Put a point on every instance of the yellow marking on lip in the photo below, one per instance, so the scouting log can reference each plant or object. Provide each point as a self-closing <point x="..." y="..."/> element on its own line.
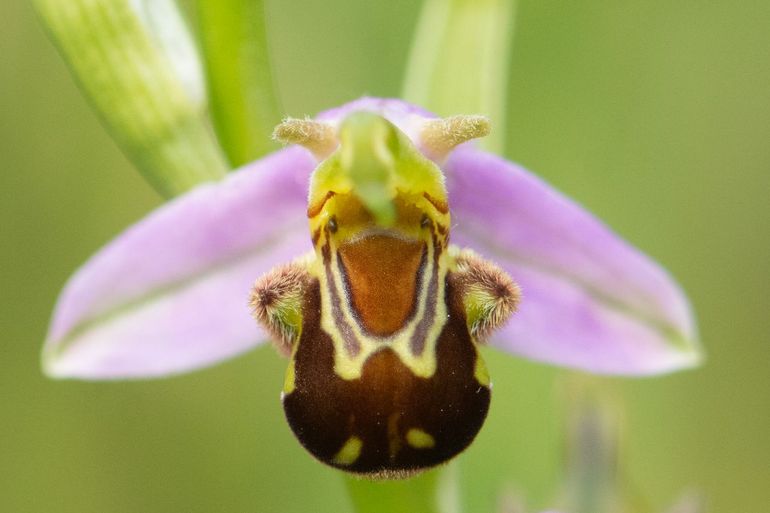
<point x="288" y="382"/>
<point x="350" y="367"/>
<point x="419" y="439"/>
<point x="419" y="193"/>
<point x="349" y="452"/>
<point x="480" y="372"/>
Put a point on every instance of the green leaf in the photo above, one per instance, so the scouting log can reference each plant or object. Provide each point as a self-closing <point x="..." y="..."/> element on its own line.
<point x="241" y="91"/>
<point x="136" y="62"/>
<point x="459" y="60"/>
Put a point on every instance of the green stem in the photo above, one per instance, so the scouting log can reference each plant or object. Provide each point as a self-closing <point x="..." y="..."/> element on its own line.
<point x="432" y="492"/>
<point x="136" y="63"/>
<point x="459" y="60"/>
<point x="592" y="475"/>
<point x="241" y="92"/>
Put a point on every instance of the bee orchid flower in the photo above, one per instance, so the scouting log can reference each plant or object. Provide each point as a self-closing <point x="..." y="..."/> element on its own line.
<point x="386" y="248"/>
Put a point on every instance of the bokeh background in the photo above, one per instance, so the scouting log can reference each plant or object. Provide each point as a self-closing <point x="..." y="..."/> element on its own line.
<point x="654" y="114"/>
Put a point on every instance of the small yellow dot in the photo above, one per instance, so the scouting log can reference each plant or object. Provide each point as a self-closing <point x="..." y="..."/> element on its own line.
<point x="349" y="452"/>
<point x="419" y="439"/>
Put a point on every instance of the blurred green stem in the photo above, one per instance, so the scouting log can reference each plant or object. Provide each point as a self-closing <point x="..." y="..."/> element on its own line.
<point x="431" y="492"/>
<point x="241" y="92"/>
<point x="591" y="479"/>
<point x="459" y="60"/>
<point x="135" y="61"/>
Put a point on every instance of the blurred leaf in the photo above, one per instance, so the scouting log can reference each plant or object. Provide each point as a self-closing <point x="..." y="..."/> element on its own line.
<point x="459" y="60"/>
<point x="241" y="92"/>
<point x="136" y="63"/>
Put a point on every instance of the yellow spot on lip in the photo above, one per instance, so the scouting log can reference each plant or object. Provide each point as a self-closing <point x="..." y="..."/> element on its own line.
<point x="349" y="452"/>
<point x="419" y="439"/>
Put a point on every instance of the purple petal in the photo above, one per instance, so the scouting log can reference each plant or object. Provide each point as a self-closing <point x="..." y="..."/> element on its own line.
<point x="591" y="300"/>
<point x="170" y="294"/>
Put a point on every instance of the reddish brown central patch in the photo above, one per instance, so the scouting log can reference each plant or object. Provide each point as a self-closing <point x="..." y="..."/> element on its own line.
<point x="382" y="275"/>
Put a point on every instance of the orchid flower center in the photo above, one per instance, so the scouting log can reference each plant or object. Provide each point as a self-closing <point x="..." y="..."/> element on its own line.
<point x="382" y="322"/>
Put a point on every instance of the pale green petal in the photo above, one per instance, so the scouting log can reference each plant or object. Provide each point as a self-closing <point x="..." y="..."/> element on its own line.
<point x="137" y="64"/>
<point x="459" y="60"/>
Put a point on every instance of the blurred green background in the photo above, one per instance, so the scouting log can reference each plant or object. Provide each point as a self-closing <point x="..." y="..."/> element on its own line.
<point x="654" y="114"/>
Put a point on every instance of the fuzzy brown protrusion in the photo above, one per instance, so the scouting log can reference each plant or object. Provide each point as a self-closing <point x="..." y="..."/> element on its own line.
<point x="317" y="136"/>
<point x="489" y="295"/>
<point x="276" y="303"/>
